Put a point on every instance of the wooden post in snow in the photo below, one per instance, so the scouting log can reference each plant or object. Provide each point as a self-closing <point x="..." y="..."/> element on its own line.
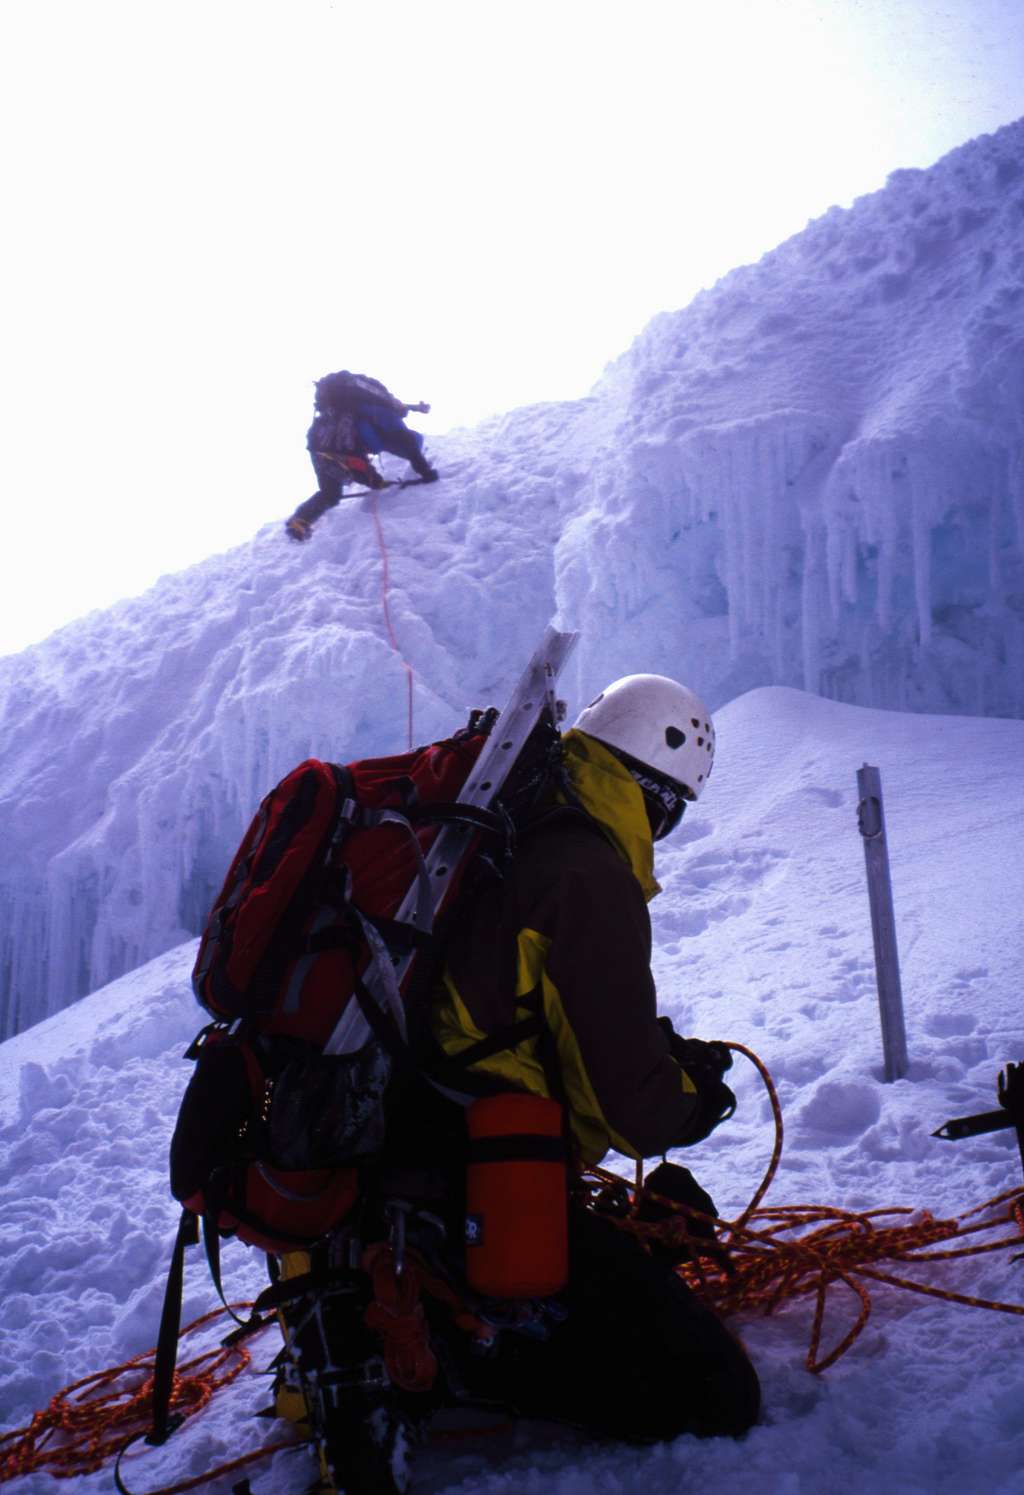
<point x="871" y="823"/>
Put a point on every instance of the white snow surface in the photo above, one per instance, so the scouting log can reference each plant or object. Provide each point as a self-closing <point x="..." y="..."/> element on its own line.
<point x="762" y="936"/>
<point x="812" y="476"/>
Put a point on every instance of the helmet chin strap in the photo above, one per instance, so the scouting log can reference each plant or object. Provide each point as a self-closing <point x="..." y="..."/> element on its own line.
<point x="664" y="798"/>
<point x="662" y="815"/>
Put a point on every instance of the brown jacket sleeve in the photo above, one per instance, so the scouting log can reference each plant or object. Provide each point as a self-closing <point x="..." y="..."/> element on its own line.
<point x="591" y="907"/>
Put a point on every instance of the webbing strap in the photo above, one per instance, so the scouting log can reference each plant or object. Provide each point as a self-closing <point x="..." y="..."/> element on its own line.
<point x="382" y="967"/>
<point x="320" y="1279"/>
<point x="395" y="932"/>
<point x="456" y="813"/>
<point x="452" y="1066"/>
<point x="450" y="1073"/>
<point x="167" y="1339"/>
<point x="211" y="1245"/>
<point x="379" y="1022"/>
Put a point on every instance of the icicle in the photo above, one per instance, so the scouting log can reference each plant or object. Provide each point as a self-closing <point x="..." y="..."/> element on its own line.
<point x="921" y="543"/>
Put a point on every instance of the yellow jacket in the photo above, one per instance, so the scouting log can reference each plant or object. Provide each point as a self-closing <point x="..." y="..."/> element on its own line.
<point x="568" y="932"/>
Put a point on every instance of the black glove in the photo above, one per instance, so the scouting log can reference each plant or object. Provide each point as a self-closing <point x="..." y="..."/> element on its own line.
<point x="705" y="1063"/>
<point x="693" y="1236"/>
<point x="672" y="1181"/>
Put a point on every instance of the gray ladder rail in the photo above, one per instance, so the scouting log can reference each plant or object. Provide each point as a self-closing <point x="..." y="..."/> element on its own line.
<point x="534" y="691"/>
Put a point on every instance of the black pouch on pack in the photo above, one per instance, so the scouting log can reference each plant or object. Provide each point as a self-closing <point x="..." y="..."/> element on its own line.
<point x="219" y="1106"/>
<point x="328" y="1109"/>
<point x="281" y="1101"/>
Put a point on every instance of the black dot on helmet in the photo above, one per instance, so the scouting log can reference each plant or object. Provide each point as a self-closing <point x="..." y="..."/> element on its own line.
<point x="699" y="777"/>
<point x="694" y="722"/>
<point x="674" y="737"/>
<point x="700" y="742"/>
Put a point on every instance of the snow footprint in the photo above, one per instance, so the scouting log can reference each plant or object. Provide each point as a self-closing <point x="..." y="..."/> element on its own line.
<point x="830" y="797"/>
<point x="856" y="977"/>
<point x="841" y="1109"/>
<point x="743" y="866"/>
<point x="950" y="1022"/>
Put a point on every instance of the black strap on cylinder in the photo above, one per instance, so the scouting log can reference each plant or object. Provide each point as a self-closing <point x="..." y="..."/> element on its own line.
<point x="517" y="1147"/>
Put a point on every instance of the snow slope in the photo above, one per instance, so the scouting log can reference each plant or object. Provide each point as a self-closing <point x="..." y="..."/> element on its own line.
<point x="811" y="477"/>
<point x="762" y="936"/>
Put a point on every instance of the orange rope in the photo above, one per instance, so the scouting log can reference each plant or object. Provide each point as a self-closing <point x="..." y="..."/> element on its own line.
<point x="88" y="1423"/>
<point x="773" y="1163"/>
<point x="385" y="591"/>
<point x="800" y="1250"/>
<point x="805" y="1249"/>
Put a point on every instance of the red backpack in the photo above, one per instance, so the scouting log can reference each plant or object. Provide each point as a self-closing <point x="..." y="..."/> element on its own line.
<point x="271" y="1127"/>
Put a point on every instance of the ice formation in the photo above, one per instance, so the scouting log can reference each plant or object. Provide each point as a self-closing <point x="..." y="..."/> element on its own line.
<point x="812" y="476"/>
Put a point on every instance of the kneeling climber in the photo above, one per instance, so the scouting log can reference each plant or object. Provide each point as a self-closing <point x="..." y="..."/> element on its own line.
<point x="355" y="417"/>
<point x="558" y="950"/>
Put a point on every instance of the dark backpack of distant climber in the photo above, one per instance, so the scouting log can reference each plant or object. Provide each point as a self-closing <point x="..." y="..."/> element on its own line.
<point x="355" y="417"/>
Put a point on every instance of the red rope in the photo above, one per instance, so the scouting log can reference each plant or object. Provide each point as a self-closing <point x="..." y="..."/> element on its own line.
<point x="385" y="591"/>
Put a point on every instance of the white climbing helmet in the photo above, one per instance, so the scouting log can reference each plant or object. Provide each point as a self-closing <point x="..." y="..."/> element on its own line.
<point x="657" y="722"/>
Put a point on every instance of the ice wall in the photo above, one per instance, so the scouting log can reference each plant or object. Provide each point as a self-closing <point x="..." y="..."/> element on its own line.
<point x="812" y="476"/>
<point x="829" y="449"/>
<point x="136" y="743"/>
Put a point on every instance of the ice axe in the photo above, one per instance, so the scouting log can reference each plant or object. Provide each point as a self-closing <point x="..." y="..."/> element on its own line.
<point x="1010" y="1090"/>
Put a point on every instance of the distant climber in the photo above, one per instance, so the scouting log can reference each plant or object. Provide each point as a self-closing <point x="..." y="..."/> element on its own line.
<point x="355" y="417"/>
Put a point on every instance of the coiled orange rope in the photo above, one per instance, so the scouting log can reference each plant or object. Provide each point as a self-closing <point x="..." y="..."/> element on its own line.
<point x="799" y="1250"/>
<point x="88" y="1423"/>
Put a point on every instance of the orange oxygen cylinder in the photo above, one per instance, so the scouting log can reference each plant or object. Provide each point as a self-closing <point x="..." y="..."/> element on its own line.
<point x="517" y="1228"/>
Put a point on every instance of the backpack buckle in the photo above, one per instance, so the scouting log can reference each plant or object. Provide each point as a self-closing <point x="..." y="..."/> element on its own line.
<point x="215" y="1032"/>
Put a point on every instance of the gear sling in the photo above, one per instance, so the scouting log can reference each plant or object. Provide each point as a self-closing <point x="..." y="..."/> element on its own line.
<point x="307" y="964"/>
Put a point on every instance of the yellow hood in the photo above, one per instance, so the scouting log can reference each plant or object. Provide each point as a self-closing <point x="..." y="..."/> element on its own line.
<point x="607" y="791"/>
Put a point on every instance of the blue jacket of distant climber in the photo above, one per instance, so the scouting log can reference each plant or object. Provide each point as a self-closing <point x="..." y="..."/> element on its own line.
<point x="356" y="413"/>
